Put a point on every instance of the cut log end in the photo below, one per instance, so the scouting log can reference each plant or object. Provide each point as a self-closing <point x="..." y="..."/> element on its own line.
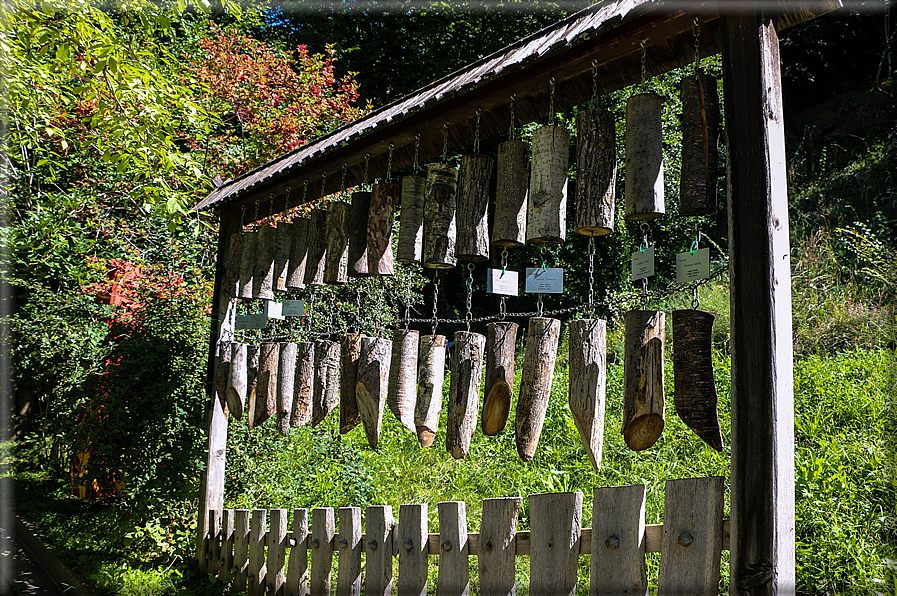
<point x="593" y="231"/>
<point x="642" y="432"/>
<point x="234" y="404"/>
<point x="425" y="436"/>
<point x="496" y="408"/>
<point x="508" y="243"/>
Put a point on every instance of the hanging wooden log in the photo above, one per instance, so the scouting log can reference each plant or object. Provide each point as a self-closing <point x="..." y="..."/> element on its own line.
<point x="546" y="215"/>
<point x="358" y="234"/>
<point x="596" y="172"/>
<point x="326" y="396"/>
<point x="247" y="264"/>
<point x="282" y="248"/>
<point x="266" y="403"/>
<point x="411" y="224"/>
<point x="336" y="260"/>
<point x="298" y="252"/>
<point x="511" y="186"/>
<point x="500" y="342"/>
<point x="350" y="352"/>
<point x="286" y="381"/>
<point x="473" y="208"/>
<point x="535" y="383"/>
<point x="440" y="231"/>
<point x="430" y="379"/>
<point x="263" y="276"/>
<point x="222" y="373"/>
<point x="464" y="392"/>
<point x="303" y="384"/>
<point x="317" y="248"/>
<point x="231" y="286"/>
<point x="587" y="383"/>
<point x="370" y="391"/>
<point x="235" y="394"/>
<point x="253" y="356"/>
<point x="384" y="201"/>
<point x="695" y="390"/>
<point x="700" y="138"/>
<point x="401" y="396"/>
<point x="643" y="399"/>
<point x="644" y="158"/>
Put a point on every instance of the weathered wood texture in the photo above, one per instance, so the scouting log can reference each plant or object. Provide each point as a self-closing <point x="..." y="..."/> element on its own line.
<point x="257" y="536"/>
<point x="230" y="287"/>
<point x="235" y="394"/>
<point x="497" y="542"/>
<point x="266" y="403"/>
<point x="596" y="172"/>
<point x="277" y="552"/>
<point x="348" y="577"/>
<point x="326" y="392"/>
<point x="695" y="390"/>
<point x="286" y="385"/>
<point x="643" y="397"/>
<point x="618" y="541"/>
<point x="700" y="139"/>
<point x="473" y="208"/>
<point x="298" y="253"/>
<point x="501" y="339"/>
<point x="411" y="541"/>
<point x="430" y="379"/>
<point x="336" y="260"/>
<point x="464" y="392"/>
<point x="322" y="532"/>
<point x="370" y="390"/>
<point x="440" y="233"/>
<point x="587" y="383"/>
<point x="241" y="548"/>
<point x="401" y="396"/>
<point x="317" y="248"/>
<point x="213" y="549"/>
<point x="350" y="351"/>
<point x="297" y="581"/>
<point x="263" y="274"/>
<point x="253" y="363"/>
<point x="247" y="264"/>
<point x="692" y="541"/>
<point x="454" y="570"/>
<point x="226" y="559"/>
<point x="283" y="243"/>
<point x="410" y="246"/>
<point x="358" y="234"/>
<point x="384" y="201"/>
<point x="644" y="158"/>
<point x="546" y="214"/>
<point x="222" y="373"/>
<point x="556" y="521"/>
<point x="535" y="383"/>
<point x="378" y="550"/>
<point x="303" y="385"/>
<point x="511" y="187"/>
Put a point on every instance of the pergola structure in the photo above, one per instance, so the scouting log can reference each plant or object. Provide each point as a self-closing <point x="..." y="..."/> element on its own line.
<point x="604" y="41"/>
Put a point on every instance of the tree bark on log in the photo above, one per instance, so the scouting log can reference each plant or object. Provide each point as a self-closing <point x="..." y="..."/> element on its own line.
<point x="336" y="260"/>
<point x="700" y="140"/>
<point x="430" y="380"/>
<point x="401" y="396"/>
<point x="317" y="248"/>
<point x="596" y="172"/>
<point x="253" y="355"/>
<point x="286" y="381"/>
<point x="326" y="397"/>
<point x="535" y="383"/>
<point x="473" y="208"/>
<point x="282" y="247"/>
<point x="247" y="264"/>
<point x="263" y="277"/>
<point x="695" y="395"/>
<point x="384" y="201"/>
<point x="588" y="382"/>
<point x="373" y="377"/>
<point x="440" y="231"/>
<point x="644" y="158"/>
<point x="303" y="384"/>
<point x="546" y="216"/>
<point x="231" y="286"/>
<point x="350" y="352"/>
<point x="235" y="395"/>
<point x="298" y="253"/>
<point x="464" y="392"/>
<point x="358" y="234"/>
<point x="266" y="403"/>
<point x="643" y="398"/>
<point x="511" y="186"/>
<point x="501" y="339"/>
<point x="411" y="224"/>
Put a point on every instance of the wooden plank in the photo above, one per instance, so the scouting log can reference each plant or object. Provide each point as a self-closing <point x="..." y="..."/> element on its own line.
<point x="556" y="520"/>
<point x="322" y="533"/>
<point x="411" y="542"/>
<point x="277" y="552"/>
<point x="348" y="577"/>
<point x="213" y="549"/>
<point x="378" y="548"/>
<point x="257" y="535"/>
<point x="692" y="541"/>
<point x="496" y="546"/>
<point x="618" y="541"/>
<point x="297" y="571"/>
<point x="762" y="393"/>
<point x="454" y="573"/>
<point x="241" y="549"/>
<point x="226" y="560"/>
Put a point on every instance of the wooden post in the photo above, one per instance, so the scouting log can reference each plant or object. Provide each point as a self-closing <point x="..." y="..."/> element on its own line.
<point x="350" y="352"/>
<point x="358" y="234"/>
<point x="411" y="225"/>
<point x="231" y="286"/>
<point x="587" y="380"/>
<point x="401" y="397"/>
<point x="501" y="339"/>
<point x="322" y="533"/>
<point x="235" y="395"/>
<point x="535" y="383"/>
<point x="511" y="186"/>
<point x="440" y="233"/>
<point x="700" y="138"/>
<point x="464" y="392"/>
<point x="286" y="381"/>
<point x="241" y="548"/>
<point x="498" y="545"/>
<point x="384" y="201"/>
<point x="411" y="541"/>
<point x="454" y="569"/>
<point x="256" y="570"/>
<point x="370" y="391"/>
<point x="326" y="392"/>
<point x="253" y="363"/>
<point x="546" y="215"/>
<point x="226" y="562"/>
<point x="596" y="172"/>
<point x="695" y="391"/>
<point x="762" y="481"/>
<point x="297" y="572"/>
<point x="430" y="380"/>
<point x="348" y="577"/>
<point x="336" y="260"/>
<point x="556" y="522"/>
<point x="473" y="208"/>
<point x="277" y="552"/>
<point x="618" y="541"/>
<point x="644" y="158"/>
<point x="263" y="275"/>
<point x="317" y="248"/>
<point x="379" y="551"/>
<point x="247" y="264"/>
<point x="266" y="402"/>
<point x="643" y="396"/>
<point x="282" y="248"/>
<point x="298" y="252"/>
<point x="303" y="385"/>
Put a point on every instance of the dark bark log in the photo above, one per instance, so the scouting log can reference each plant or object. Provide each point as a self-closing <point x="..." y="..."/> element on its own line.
<point x="700" y="139"/>
<point x="473" y="208"/>
<point x="373" y="377"/>
<point x="501" y="339"/>
<point x="535" y="383"/>
<point x="464" y="392"/>
<point x="337" y="258"/>
<point x="430" y="380"/>
<point x="317" y="248"/>
<point x="511" y="186"/>
<point x="231" y="286"/>
<point x="303" y="384"/>
<point x="587" y="383"/>
<point x="596" y="172"/>
<point x="440" y="231"/>
<point x="222" y="374"/>
<point x="695" y="390"/>
<point x="546" y="215"/>
<point x="235" y="395"/>
<point x="266" y="402"/>
<point x="298" y="253"/>
<point x="384" y="201"/>
<point x="350" y="352"/>
<point x="282" y="247"/>
<point x="402" y="394"/>
<point x="644" y="158"/>
<point x="327" y="361"/>
<point x="358" y="234"/>
<point x="643" y="398"/>
<point x="263" y="277"/>
<point x="247" y="264"/>
<point x="286" y="379"/>
<point x="411" y="224"/>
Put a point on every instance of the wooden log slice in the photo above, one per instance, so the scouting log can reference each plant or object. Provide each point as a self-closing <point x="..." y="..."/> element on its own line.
<point x="499" y="390"/>
<point x="535" y="383"/>
<point x="384" y="201"/>
<point x="298" y="253"/>
<point x="317" y="248"/>
<point x="235" y="394"/>
<point x="695" y="395"/>
<point x="358" y="234"/>
<point x="247" y="264"/>
<point x="326" y="396"/>
<point x="373" y="377"/>
<point x="266" y="402"/>
<point x="473" y="208"/>
<point x="546" y="215"/>
<point x="336" y="260"/>
<point x="700" y="139"/>
<point x="464" y="392"/>
<point x="286" y="380"/>
<point x="644" y="158"/>
<point x="303" y="384"/>
<point x="596" y="172"/>
<point x="263" y="276"/>
<point x="231" y="286"/>
<point x="588" y="380"/>
<point x="643" y="398"/>
<point x="253" y="355"/>
<point x="350" y="352"/>
<point x="410" y="247"/>
<point x="401" y="396"/>
<point x="282" y="248"/>
<point x="430" y="380"/>
<point x="440" y="232"/>
<point x="511" y="188"/>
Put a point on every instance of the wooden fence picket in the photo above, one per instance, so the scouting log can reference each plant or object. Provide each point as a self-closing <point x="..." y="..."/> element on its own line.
<point x="497" y="546"/>
<point x="241" y="548"/>
<point x="277" y="552"/>
<point x="211" y="556"/>
<point x="297" y="571"/>
<point x="454" y="572"/>
<point x="226" y="555"/>
<point x="556" y="521"/>
<point x="618" y="541"/>
<point x="257" y="534"/>
<point x="411" y="538"/>
<point x="379" y="551"/>
<point x="322" y="533"/>
<point x="348" y="577"/>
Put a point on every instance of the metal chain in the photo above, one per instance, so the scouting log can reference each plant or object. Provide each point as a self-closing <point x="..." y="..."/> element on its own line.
<point x="389" y="163"/>
<point x="645" y="227"/>
<point x="511" y="129"/>
<point x="697" y="33"/>
<point x="644" y="59"/>
<point x="504" y="259"/>
<point x="286" y="201"/>
<point x="270" y="207"/>
<point x="304" y="190"/>
<point x="539" y="304"/>
<point x="502" y="308"/>
<point x="695" y="301"/>
<point x="594" y="83"/>
<point x="551" y="82"/>
<point x="435" y="299"/>
<point x="367" y="159"/>
<point x="342" y="181"/>
<point x="592" y="274"/>
<point x="445" y="141"/>
<point x="415" y="165"/>
<point x="256" y="217"/>
<point x="323" y="182"/>
<point x="476" y="132"/>
<point x="469" y="283"/>
<point x="242" y="218"/>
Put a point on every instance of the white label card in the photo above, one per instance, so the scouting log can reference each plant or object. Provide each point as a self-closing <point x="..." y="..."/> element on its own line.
<point x="692" y="267"/>
<point x="643" y="263"/>
<point x="544" y="281"/>
<point x="498" y="282"/>
<point x="274" y="310"/>
<point x="294" y="308"/>
<point x="251" y="321"/>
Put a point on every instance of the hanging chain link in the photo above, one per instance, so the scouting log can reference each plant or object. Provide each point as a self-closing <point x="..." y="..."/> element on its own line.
<point x="539" y="305"/>
<point x="695" y="301"/>
<point x="551" y="82"/>
<point x="256" y="216"/>
<point x="697" y="33"/>
<point x="592" y="274"/>
<point x="358" y="310"/>
<point x="435" y="299"/>
<point x="389" y="163"/>
<point x="469" y="283"/>
<point x="511" y="128"/>
<point x="323" y="182"/>
<point x="286" y="201"/>
<point x="445" y="142"/>
<point x="304" y="190"/>
<point x="242" y="218"/>
<point x="270" y="207"/>
<point x="415" y="165"/>
<point x="644" y="59"/>
<point x="367" y="161"/>
<point x="476" y="132"/>
<point x="645" y="227"/>
<point x="342" y="181"/>
<point x="504" y="259"/>
<point x="594" y="83"/>
<point x="502" y="309"/>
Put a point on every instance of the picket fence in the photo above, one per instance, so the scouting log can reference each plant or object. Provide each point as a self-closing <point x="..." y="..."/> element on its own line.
<point x="250" y="548"/>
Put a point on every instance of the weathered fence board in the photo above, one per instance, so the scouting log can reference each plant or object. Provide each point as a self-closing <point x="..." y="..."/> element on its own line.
<point x="277" y="552"/>
<point x="618" y="541"/>
<point x="412" y="538"/>
<point x="348" y="579"/>
<point x="297" y="570"/>
<point x="241" y="548"/>
<point x="454" y="572"/>
<point x="497" y="546"/>
<point x="556" y="520"/>
<point x="378" y="547"/>
<point x="257" y="536"/>
<point x="322" y="533"/>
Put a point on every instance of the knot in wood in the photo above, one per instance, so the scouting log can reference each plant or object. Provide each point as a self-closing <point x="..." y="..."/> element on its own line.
<point x="372" y="545"/>
<point x="550" y="545"/>
<point x="612" y="543"/>
<point x="685" y="539"/>
<point x="208" y="555"/>
<point x="221" y="562"/>
<point x="408" y="545"/>
<point x="489" y="546"/>
<point x="447" y="545"/>
<point x="315" y="543"/>
<point x="343" y="543"/>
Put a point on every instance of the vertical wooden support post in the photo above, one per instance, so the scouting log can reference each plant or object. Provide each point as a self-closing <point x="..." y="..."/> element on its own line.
<point x="618" y="541"/>
<point x="348" y="577"/>
<point x="277" y="552"/>
<point x="411" y="541"/>
<point x="241" y="548"/>
<point x="379" y="551"/>
<point x="498" y="545"/>
<point x="556" y="522"/>
<point x="454" y="572"/>
<point x="297" y="572"/>
<point x="226" y="559"/>
<point x="322" y="532"/>
<point x="762" y="476"/>
<point x="256" y="577"/>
